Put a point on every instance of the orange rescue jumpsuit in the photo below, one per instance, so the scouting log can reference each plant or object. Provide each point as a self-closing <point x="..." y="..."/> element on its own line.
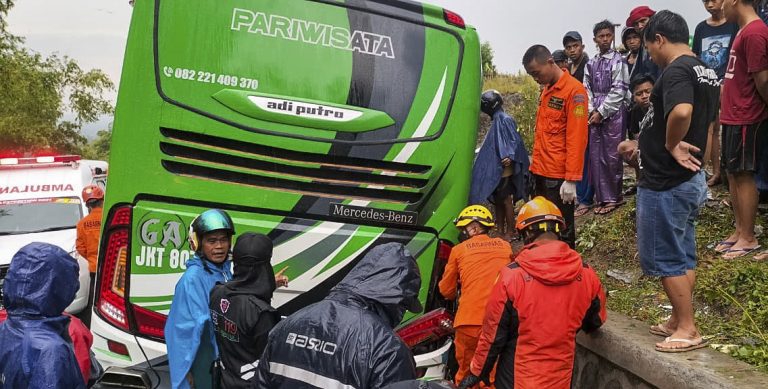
<point x="475" y="263"/>
<point x="560" y="139"/>
<point x="87" y="244"/>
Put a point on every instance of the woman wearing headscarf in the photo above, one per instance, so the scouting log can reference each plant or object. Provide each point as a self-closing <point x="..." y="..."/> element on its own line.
<point x="241" y="312"/>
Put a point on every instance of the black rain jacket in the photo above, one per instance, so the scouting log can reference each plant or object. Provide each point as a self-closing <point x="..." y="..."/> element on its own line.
<point x="347" y="340"/>
<point x="241" y="312"/>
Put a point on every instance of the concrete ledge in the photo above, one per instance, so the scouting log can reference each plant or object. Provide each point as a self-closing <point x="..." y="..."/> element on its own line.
<point x="626" y="343"/>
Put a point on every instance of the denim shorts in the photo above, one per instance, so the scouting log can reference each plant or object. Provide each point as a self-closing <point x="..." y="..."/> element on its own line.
<point x="666" y="237"/>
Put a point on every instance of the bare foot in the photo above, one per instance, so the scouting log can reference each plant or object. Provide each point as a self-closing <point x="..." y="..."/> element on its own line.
<point x="714" y="180"/>
<point x="727" y="243"/>
<point x="663" y="329"/>
<point x="741" y="248"/>
<point x="742" y="244"/>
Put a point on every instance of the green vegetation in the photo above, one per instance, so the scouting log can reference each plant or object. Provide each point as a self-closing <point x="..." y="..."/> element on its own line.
<point x="486" y="60"/>
<point x="37" y="92"/>
<point x="521" y="99"/>
<point x="730" y="296"/>
<point x="99" y="148"/>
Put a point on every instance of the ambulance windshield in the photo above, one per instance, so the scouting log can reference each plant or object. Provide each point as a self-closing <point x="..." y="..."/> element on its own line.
<point x="39" y="215"/>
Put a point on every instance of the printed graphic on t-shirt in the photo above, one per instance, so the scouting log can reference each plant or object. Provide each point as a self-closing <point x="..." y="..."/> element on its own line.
<point x="647" y="121"/>
<point x="714" y="50"/>
<point x="706" y="75"/>
<point x="645" y="124"/>
<point x="731" y="65"/>
<point x="225" y="327"/>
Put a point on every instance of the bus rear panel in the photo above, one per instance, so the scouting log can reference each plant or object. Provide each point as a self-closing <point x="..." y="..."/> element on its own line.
<point x="330" y="126"/>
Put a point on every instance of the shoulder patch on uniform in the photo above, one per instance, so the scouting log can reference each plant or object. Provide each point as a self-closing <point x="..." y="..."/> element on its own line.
<point x="579" y="111"/>
<point x="224" y="305"/>
<point x="579" y="98"/>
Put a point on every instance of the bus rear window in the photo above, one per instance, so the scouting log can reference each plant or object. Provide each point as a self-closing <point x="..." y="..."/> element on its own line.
<point x="291" y="53"/>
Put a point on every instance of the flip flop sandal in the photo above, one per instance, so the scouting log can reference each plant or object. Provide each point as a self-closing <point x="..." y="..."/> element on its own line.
<point x="608" y="208"/>
<point x="726" y="246"/>
<point x="692" y="344"/>
<point x="761" y="255"/>
<point x="582" y="210"/>
<point x="660" y="330"/>
<point x="738" y="253"/>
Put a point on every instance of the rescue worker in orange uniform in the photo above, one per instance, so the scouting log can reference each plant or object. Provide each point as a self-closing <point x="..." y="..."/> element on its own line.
<point x="560" y="139"/>
<point x="536" y="308"/>
<point x="475" y="264"/>
<point x="87" y="244"/>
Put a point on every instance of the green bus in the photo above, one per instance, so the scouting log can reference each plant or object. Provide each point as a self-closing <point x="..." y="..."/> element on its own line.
<point x="331" y="126"/>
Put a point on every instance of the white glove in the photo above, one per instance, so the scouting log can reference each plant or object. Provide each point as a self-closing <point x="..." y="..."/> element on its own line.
<point x="568" y="192"/>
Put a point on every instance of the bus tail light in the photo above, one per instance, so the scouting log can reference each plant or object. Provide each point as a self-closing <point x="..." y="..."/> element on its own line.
<point x="110" y="300"/>
<point x="149" y="323"/>
<point x="432" y="326"/>
<point x="453" y="18"/>
<point x="444" y="251"/>
<point x="117" y="347"/>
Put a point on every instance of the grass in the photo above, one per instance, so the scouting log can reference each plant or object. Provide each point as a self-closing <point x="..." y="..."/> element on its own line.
<point x="730" y="296"/>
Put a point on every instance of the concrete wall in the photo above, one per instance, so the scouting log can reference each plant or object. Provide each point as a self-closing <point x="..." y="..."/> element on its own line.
<point x="594" y="372"/>
<point x="621" y="356"/>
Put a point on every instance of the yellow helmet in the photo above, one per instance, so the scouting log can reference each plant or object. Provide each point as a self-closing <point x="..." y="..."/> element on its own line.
<point x="474" y="213"/>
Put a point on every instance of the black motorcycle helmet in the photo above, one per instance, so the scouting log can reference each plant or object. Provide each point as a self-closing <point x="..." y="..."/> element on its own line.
<point x="491" y="101"/>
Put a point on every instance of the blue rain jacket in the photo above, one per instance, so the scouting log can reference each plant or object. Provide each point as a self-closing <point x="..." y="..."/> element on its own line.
<point x="35" y="348"/>
<point x="189" y="335"/>
<point x="502" y="141"/>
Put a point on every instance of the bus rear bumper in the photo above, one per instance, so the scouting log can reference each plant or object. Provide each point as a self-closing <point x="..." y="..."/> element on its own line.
<point x="430" y="366"/>
<point x="433" y="365"/>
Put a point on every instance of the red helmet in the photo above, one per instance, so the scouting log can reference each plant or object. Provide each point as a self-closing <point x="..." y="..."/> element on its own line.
<point x="92" y="192"/>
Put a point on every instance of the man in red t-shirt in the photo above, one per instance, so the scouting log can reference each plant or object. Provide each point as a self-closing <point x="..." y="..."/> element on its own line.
<point x="743" y="115"/>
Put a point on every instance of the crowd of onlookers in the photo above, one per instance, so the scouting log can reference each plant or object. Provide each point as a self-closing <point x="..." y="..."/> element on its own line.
<point x="665" y="106"/>
<point x="664" y="103"/>
<point x="681" y="106"/>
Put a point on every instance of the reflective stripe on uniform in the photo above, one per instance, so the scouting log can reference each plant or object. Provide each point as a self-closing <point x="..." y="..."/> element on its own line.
<point x="306" y="376"/>
<point x="249" y="370"/>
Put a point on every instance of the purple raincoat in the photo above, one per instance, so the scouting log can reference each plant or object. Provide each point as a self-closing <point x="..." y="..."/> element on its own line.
<point x="606" y="78"/>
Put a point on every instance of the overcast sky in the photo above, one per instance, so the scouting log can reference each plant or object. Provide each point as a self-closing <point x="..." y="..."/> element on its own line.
<point x="94" y="31"/>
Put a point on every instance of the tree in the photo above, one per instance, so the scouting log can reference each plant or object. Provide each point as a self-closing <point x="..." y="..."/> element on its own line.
<point x="486" y="59"/>
<point x="5" y="6"/>
<point x="99" y="147"/>
<point x="36" y="92"/>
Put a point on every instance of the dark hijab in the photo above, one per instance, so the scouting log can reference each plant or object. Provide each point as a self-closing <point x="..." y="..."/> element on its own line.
<point x="253" y="272"/>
